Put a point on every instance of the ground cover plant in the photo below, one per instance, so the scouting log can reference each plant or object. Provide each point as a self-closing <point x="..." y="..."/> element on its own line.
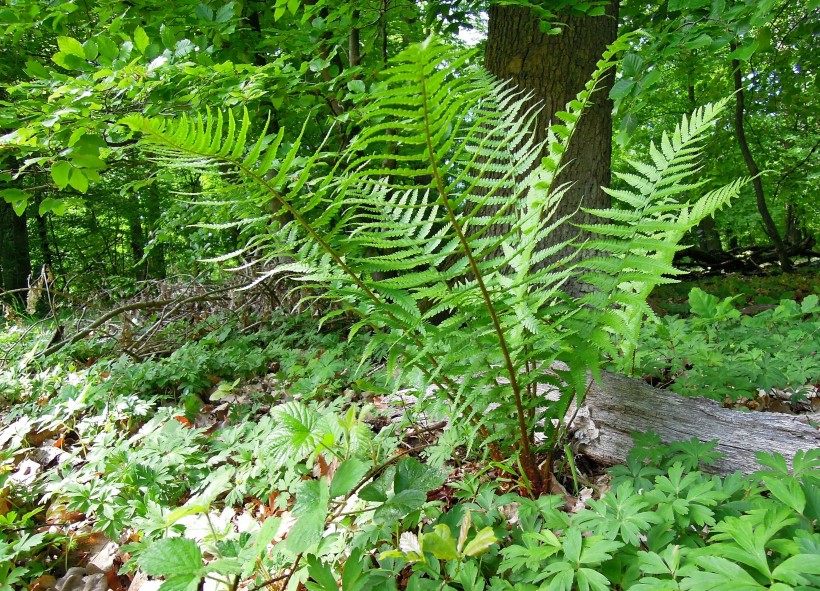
<point x="720" y="353"/>
<point x="256" y="480"/>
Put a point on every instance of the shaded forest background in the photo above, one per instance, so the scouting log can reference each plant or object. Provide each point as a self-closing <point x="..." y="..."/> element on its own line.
<point x="82" y="202"/>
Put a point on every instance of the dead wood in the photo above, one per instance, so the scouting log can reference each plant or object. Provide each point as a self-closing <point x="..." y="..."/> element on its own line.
<point x="621" y="405"/>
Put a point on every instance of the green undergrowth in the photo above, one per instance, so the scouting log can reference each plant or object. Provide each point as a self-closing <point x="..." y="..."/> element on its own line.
<point x="287" y="475"/>
<point x="719" y="353"/>
<point x="122" y="442"/>
<point x="750" y="290"/>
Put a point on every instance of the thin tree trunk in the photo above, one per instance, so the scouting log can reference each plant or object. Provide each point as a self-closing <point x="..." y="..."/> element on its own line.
<point x="757" y="183"/>
<point x="156" y="255"/>
<point x="708" y="236"/>
<point x="15" y="258"/>
<point x="42" y="235"/>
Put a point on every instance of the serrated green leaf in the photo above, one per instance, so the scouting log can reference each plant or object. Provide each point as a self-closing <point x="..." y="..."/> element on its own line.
<point x="412" y="474"/>
<point x="306" y="533"/>
<point x="181" y="583"/>
<point x="400" y="505"/>
<point x="141" y="40"/>
<point x="172" y="556"/>
<point x="348" y="475"/>
<point x="376" y="491"/>
<point x="311" y="497"/>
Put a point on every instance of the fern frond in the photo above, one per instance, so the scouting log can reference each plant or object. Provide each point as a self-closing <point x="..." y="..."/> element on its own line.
<point x="642" y="241"/>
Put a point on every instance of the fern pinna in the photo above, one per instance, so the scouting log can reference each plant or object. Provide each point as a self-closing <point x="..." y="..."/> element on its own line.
<point x="402" y="229"/>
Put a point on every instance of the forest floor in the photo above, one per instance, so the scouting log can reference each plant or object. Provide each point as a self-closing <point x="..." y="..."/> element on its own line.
<point x="169" y="421"/>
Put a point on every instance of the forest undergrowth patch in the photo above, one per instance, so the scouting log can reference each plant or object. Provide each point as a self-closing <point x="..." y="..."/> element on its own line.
<point x="256" y="459"/>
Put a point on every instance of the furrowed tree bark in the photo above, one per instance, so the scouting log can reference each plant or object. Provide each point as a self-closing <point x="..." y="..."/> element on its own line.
<point x="554" y="68"/>
<point x="15" y="258"/>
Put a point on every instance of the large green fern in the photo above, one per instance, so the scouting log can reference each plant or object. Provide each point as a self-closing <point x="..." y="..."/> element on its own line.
<point x="438" y="252"/>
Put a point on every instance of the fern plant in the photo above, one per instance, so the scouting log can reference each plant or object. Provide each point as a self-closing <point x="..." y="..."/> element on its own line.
<point x="437" y="210"/>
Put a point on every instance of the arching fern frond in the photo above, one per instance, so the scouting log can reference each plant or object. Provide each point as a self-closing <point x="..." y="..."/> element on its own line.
<point x="640" y="239"/>
<point x="429" y="226"/>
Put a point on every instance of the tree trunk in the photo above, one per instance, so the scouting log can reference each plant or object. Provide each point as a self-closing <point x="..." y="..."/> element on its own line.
<point x="15" y="259"/>
<point x="42" y="236"/>
<point x="555" y="68"/>
<point x="156" y="256"/>
<point x="137" y="241"/>
<point x="757" y="183"/>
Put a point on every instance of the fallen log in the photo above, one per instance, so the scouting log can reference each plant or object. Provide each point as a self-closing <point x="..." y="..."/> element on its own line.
<point x="620" y="406"/>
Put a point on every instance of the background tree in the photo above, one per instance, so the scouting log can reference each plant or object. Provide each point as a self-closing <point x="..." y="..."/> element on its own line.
<point x="70" y="73"/>
<point x="553" y="66"/>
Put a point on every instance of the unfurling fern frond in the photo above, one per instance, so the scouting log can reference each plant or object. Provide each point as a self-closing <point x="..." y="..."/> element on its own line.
<point x="430" y="227"/>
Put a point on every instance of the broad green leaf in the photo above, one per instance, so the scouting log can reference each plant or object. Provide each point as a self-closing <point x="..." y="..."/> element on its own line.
<point x="356" y="86"/>
<point x="702" y="303"/>
<point x="376" y="491"/>
<point x="17" y="198"/>
<point x="225" y="12"/>
<point x="399" y="505"/>
<point x="78" y="180"/>
<point x="141" y="40"/>
<point x="172" y="556"/>
<point x="204" y="12"/>
<point x="60" y="172"/>
<point x="181" y="583"/>
<point x="90" y="50"/>
<point x="224" y="566"/>
<point x="482" y="542"/>
<point x="440" y="543"/>
<point x="108" y="49"/>
<point x="224" y="388"/>
<point x="71" y="46"/>
<point x="311" y="497"/>
<point x="412" y="474"/>
<point x="348" y="475"/>
<point x="306" y="533"/>
<point x="88" y="160"/>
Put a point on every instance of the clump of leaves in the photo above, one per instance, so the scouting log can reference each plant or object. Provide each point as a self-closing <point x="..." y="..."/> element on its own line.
<point x="664" y="526"/>
<point x="26" y="549"/>
<point x="721" y="354"/>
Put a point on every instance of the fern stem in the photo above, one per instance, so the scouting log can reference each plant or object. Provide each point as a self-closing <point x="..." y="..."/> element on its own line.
<point x="529" y="459"/>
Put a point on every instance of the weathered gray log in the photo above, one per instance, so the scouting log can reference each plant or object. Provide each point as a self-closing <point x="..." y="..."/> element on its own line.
<point x="623" y="405"/>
